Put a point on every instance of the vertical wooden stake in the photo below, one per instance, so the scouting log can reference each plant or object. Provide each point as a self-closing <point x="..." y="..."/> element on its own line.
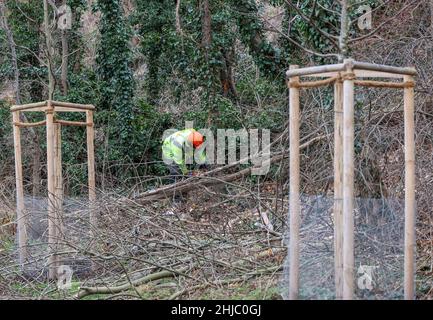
<point x="91" y="167"/>
<point x="21" y="216"/>
<point x="91" y="155"/>
<point x="294" y="201"/>
<point x="410" y="205"/>
<point x="59" y="228"/>
<point x="348" y="181"/>
<point x="338" y="188"/>
<point x="52" y="268"/>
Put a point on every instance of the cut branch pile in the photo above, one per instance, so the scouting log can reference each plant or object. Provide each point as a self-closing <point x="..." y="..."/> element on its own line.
<point x="201" y="245"/>
<point x="211" y="178"/>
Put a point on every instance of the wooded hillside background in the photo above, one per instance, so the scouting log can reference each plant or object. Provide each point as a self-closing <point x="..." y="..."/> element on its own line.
<point x="150" y="65"/>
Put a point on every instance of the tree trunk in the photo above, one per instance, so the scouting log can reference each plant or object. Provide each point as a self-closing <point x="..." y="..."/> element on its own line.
<point x="51" y="80"/>
<point x="251" y="30"/>
<point x="65" y="55"/>
<point x="226" y="74"/>
<point x="206" y="26"/>
<point x="344" y="31"/>
<point x="65" y="50"/>
<point x="178" y="25"/>
<point x="36" y="163"/>
<point x="12" y="48"/>
<point x="431" y="16"/>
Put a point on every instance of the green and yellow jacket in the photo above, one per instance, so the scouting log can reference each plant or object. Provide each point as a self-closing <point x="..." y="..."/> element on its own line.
<point x="173" y="148"/>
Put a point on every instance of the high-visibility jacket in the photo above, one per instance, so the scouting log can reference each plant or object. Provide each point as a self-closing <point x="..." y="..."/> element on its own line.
<point x="174" y="146"/>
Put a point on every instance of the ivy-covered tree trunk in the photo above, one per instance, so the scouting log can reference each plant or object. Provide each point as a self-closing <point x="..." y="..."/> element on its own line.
<point x="178" y="24"/>
<point x="226" y="73"/>
<point x="206" y="26"/>
<point x="153" y="73"/>
<point x="36" y="154"/>
<point x="113" y="68"/>
<point x="47" y="29"/>
<point x="251" y="29"/>
<point x="12" y="47"/>
<point x="154" y="17"/>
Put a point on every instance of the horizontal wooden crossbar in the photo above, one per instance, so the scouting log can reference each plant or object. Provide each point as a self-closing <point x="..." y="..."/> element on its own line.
<point x="43" y="106"/>
<point x="314" y="70"/>
<point x="73" y="123"/>
<point x="312" y="84"/>
<point x="351" y="76"/>
<point x="382" y="84"/>
<point x="384" y="68"/>
<point x="28" y="106"/>
<point x="72" y="105"/>
<point x="30" y="124"/>
<point x="375" y="70"/>
<point x="43" y="123"/>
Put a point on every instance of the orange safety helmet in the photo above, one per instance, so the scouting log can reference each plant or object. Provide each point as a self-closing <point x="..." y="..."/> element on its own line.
<point x="196" y="138"/>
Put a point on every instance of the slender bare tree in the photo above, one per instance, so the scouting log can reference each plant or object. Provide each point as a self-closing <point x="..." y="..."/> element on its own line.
<point x="65" y="58"/>
<point x="47" y="28"/>
<point x="431" y="16"/>
<point x="344" y="31"/>
<point x="340" y="43"/>
<point x="13" y="51"/>
<point x="206" y="25"/>
<point x="36" y="154"/>
<point x="178" y="24"/>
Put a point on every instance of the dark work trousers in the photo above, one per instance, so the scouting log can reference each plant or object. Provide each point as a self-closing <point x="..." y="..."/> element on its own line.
<point x="176" y="176"/>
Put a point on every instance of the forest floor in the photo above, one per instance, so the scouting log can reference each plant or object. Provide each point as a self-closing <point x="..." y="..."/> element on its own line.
<point x="212" y="246"/>
<point x="221" y="242"/>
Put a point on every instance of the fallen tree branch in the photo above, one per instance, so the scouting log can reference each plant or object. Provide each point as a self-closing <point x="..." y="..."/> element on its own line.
<point x="206" y="180"/>
<point x="86" y="291"/>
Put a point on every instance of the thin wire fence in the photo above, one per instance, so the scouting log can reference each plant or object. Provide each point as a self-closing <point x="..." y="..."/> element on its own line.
<point x="75" y="230"/>
<point x="379" y="231"/>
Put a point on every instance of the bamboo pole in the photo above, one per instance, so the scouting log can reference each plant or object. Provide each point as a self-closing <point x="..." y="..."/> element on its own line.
<point x="294" y="205"/>
<point x="410" y="205"/>
<point x="51" y="181"/>
<point x="348" y="181"/>
<point x="21" y="217"/>
<point x="338" y="188"/>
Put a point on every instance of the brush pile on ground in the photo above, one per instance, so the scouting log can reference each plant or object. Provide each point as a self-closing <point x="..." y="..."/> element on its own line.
<point x="215" y="239"/>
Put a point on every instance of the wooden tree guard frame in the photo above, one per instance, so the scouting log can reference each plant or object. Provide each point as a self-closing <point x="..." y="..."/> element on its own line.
<point x="54" y="171"/>
<point x="344" y="77"/>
